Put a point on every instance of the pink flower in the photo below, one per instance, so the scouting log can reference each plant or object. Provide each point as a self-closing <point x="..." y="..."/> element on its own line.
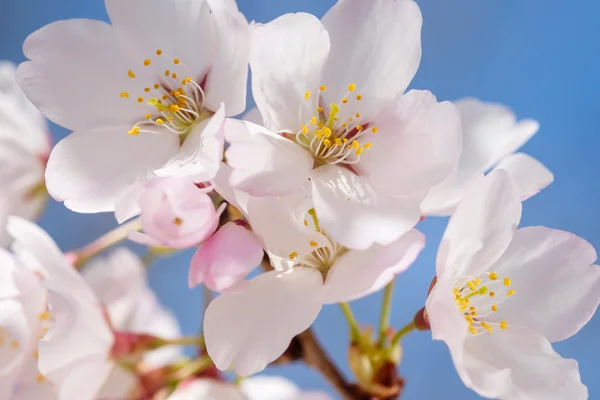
<point x="175" y="213"/>
<point x="504" y="295"/>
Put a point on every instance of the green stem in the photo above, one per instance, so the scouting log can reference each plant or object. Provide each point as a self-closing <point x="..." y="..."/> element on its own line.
<point x="385" y="313"/>
<point x="106" y="241"/>
<point x="354" y="330"/>
<point x="402" y="332"/>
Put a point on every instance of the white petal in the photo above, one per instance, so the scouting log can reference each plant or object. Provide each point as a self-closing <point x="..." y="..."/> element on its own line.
<point x="417" y="146"/>
<point x="207" y="389"/>
<point x="286" y="58"/>
<point x="254" y="116"/>
<point x="490" y="133"/>
<point x="529" y="174"/>
<point x="557" y="289"/>
<point x="15" y="329"/>
<point x="481" y="228"/>
<point x="354" y="214"/>
<point x="126" y="206"/>
<point x="250" y="328"/>
<point x="235" y="197"/>
<point x="519" y="364"/>
<point x="201" y="153"/>
<point x="447" y="323"/>
<point x="269" y="388"/>
<point x="374" y="44"/>
<point x="92" y="170"/>
<point x="359" y="273"/>
<point x="264" y="163"/>
<point x="82" y="93"/>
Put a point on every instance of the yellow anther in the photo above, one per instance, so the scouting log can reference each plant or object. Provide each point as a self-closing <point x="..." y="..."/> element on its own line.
<point x="359" y="97"/>
<point x="130" y="74"/>
<point x="478" y="281"/>
<point x="158" y="52"/>
<point x="338" y="142"/>
<point x="305" y="223"/>
<point x="367" y="145"/>
<point x="176" y="61"/>
<point x="344" y="100"/>
<point x="169" y="118"/>
<point x="493" y="276"/>
<point x="323" y="88"/>
<point x="350" y="119"/>
<point x="44" y="316"/>
<point x="134" y="131"/>
<point x="326" y="132"/>
<point x="374" y="130"/>
<point x="147" y="62"/>
<point x="359" y="128"/>
<point x="313" y="120"/>
<point x="40" y="378"/>
<point x="327" y="142"/>
<point x="36" y="354"/>
<point x="188" y="79"/>
<point x="357" y="115"/>
<point x="313" y="243"/>
<point x="345" y="140"/>
<point x="359" y="151"/>
<point x="355" y="144"/>
<point x="148" y="116"/>
<point x="293" y="255"/>
<point x="174" y="108"/>
<point x="472" y="330"/>
<point x="124" y="95"/>
<point x="473" y="313"/>
<point x="14" y="344"/>
<point x="472" y="285"/>
<point x="492" y="294"/>
<point x="469" y="319"/>
<point x="304" y="129"/>
<point x="146" y="89"/>
<point x="165" y="97"/>
<point x="494" y="307"/>
<point x="503" y="324"/>
<point x="352" y="87"/>
<point x="456" y="291"/>
<point x="177" y="221"/>
<point x="160" y="121"/>
<point x="472" y="308"/>
<point x="307" y="95"/>
<point x="506" y="281"/>
<point x="167" y="73"/>
<point x="140" y="99"/>
<point x="184" y="81"/>
<point x="156" y="86"/>
<point x="510" y="292"/>
<point x="344" y="125"/>
<point x="152" y="101"/>
<point x="174" y="75"/>
<point x="319" y="109"/>
<point x="321" y="125"/>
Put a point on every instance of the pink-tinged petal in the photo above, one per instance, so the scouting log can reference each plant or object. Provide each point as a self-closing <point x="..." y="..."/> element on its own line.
<point x="91" y="170"/>
<point x="359" y="273"/>
<point x="207" y="389"/>
<point x="119" y="384"/>
<point x="247" y="329"/>
<point x="529" y="174"/>
<point x="16" y="335"/>
<point x="482" y="226"/>
<point x="490" y="133"/>
<point x="417" y="146"/>
<point x="266" y="387"/>
<point x="200" y="155"/>
<point x="518" y="363"/>
<point x="374" y="44"/>
<point x="221" y="185"/>
<point x="354" y="214"/>
<point x="557" y="289"/>
<point x="84" y="92"/>
<point x="286" y="58"/>
<point x="265" y="163"/>
<point x="176" y="213"/>
<point x="142" y="238"/>
<point x="225" y="258"/>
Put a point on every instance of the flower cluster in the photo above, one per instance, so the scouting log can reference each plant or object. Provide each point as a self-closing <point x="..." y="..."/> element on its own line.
<point x="312" y="198"/>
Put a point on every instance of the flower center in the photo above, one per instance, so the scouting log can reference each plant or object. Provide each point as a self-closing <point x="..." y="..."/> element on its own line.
<point x="174" y="101"/>
<point x="326" y="251"/>
<point x="331" y="138"/>
<point x="477" y="299"/>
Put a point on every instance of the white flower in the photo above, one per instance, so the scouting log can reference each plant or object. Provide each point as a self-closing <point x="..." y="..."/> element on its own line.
<point x="256" y="388"/>
<point x="144" y="96"/>
<point x="74" y="353"/>
<point x="119" y="282"/>
<point x="491" y="136"/>
<point x="503" y="295"/>
<point x="331" y="95"/>
<point x="252" y="324"/>
<point x="24" y="149"/>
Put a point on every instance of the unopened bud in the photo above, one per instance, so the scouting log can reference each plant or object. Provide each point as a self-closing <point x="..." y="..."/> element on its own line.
<point x="361" y="366"/>
<point x="422" y="320"/>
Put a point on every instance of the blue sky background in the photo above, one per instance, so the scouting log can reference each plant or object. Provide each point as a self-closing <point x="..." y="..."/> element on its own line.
<point x="541" y="57"/>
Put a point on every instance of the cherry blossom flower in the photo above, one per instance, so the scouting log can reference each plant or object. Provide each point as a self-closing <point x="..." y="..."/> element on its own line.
<point x="331" y="97"/>
<point x="226" y="258"/>
<point x="252" y="324"/>
<point x="504" y="295"/>
<point x="256" y="388"/>
<point x="24" y="149"/>
<point x="175" y="213"/>
<point x="145" y="96"/>
<point x="491" y="136"/>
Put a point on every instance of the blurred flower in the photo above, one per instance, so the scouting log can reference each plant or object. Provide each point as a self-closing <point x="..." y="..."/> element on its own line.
<point x="248" y="327"/>
<point x="24" y="150"/>
<point x="491" y="136"/>
<point x="225" y="258"/>
<point x="503" y="295"/>
<point x="257" y="388"/>
<point x="144" y="96"/>
<point x="331" y="97"/>
<point x="175" y="213"/>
